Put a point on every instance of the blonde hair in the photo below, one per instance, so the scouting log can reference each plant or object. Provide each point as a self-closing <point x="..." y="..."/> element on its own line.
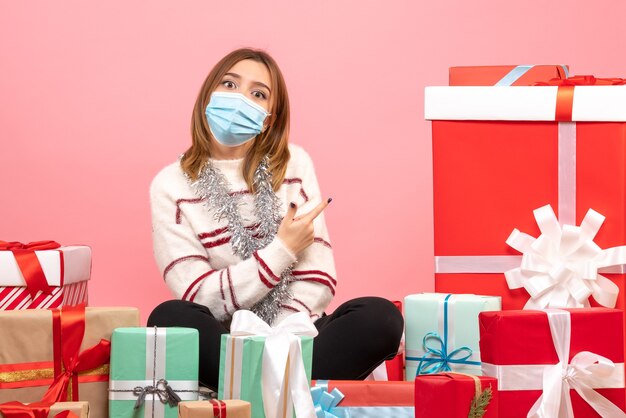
<point x="272" y="142"/>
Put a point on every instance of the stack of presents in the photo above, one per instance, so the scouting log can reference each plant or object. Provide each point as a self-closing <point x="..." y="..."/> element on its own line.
<point x="530" y="269"/>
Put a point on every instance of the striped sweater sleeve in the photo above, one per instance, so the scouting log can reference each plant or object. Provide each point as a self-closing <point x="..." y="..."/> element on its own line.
<point x="314" y="273"/>
<point x="188" y="272"/>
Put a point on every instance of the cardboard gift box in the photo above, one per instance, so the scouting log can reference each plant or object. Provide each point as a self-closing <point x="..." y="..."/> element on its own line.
<point x="59" y="354"/>
<point x="150" y="367"/>
<point x="364" y="399"/>
<point x="456" y="395"/>
<point x="42" y="410"/>
<point x="501" y="152"/>
<point x="43" y="275"/>
<point x="505" y="75"/>
<point x="259" y="362"/>
<point x="442" y="332"/>
<point x="558" y="361"/>
<point x="233" y="408"/>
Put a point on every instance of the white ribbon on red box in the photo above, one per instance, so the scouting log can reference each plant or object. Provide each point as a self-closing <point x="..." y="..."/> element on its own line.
<point x="585" y="372"/>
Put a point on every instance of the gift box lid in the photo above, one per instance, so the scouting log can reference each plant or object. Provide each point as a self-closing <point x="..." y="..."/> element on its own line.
<point x="600" y="103"/>
<point x="64" y="265"/>
<point x="507" y="75"/>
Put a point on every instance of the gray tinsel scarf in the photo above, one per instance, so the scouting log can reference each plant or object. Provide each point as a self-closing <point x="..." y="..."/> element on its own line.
<point x="213" y="188"/>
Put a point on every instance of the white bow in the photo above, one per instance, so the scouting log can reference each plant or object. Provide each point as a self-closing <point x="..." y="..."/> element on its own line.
<point x="284" y="382"/>
<point x="586" y="370"/>
<point x="560" y="268"/>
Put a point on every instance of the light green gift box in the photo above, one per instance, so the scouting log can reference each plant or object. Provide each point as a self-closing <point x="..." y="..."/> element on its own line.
<point x="241" y="361"/>
<point x="442" y="334"/>
<point x="149" y="362"/>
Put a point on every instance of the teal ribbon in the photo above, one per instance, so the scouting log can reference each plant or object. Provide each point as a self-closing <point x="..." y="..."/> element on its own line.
<point x="326" y="403"/>
<point x="437" y="360"/>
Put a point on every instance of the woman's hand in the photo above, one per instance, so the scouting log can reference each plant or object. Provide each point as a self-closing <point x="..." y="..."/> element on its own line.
<point x="297" y="232"/>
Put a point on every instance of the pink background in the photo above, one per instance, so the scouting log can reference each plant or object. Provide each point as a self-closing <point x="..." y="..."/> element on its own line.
<point x="95" y="97"/>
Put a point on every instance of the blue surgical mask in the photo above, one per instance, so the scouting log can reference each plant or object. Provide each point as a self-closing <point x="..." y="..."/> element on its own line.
<point x="234" y="119"/>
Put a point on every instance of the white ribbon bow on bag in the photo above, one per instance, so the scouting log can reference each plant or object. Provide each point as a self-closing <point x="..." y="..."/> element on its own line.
<point x="282" y="357"/>
<point x="584" y="372"/>
<point x="560" y="268"/>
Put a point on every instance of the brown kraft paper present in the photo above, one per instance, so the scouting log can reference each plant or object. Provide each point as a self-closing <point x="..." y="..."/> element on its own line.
<point x="28" y="361"/>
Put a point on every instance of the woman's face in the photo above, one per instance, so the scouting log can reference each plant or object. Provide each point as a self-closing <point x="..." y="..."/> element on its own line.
<point x="250" y="78"/>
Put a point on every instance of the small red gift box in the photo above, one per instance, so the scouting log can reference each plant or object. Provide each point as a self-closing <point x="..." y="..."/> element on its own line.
<point x="508" y="75"/>
<point x="544" y="358"/>
<point x="452" y="395"/>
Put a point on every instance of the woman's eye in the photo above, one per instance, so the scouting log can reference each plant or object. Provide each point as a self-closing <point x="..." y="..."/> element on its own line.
<point x="259" y="95"/>
<point x="229" y="84"/>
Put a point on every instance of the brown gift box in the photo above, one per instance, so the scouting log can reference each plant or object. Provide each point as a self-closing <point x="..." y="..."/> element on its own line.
<point x="81" y="409"/>
<point x="27" y="357"/>
<point x="204" y="409"/>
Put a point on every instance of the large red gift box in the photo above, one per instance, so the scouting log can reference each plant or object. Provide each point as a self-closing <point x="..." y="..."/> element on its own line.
<point x="501" y="152"/>
<point x="450" y="395"/>
<point x="509" y="75"/>
<point x="520" y="348"/>
<point x="43" y="275"/>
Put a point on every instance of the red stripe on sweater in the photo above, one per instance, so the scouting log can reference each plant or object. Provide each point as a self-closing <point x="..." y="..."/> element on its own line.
<point x="181" y="259"/>
<point x="222" y="288"/>
<point x="315" y="272"/>
<point x="264" y="280"/>
<point x="178" y="209"/>
<point x="201" y="277"/>
<point x="291" y="308"/>
<point x="323" y="242"/>
<point x="232" y="290"/>
<point x="303" y="304"/>
<point x="317" y="280"/>
<point x="216" y="243"/>
<point x="265" y="267"/>
<point x="220" y="231"/>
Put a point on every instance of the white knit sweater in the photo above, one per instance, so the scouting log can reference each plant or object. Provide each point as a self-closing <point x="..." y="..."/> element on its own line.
<point x="196" y="259"/>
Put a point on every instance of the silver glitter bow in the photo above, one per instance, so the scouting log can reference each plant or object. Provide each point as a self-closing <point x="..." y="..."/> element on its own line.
<point x="162" y="389"/>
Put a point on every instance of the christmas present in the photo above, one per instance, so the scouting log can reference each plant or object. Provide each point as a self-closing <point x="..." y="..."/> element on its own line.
<point x="555" y="362"/>
<point x="474" y="396"/>
<point x="44" y="410"/>
<point x="43" y="275"/>
<point x="59" y="354"/>
<point x="233" y="408"/>
<point x="152" y="369"/>
<point x="505" y="75"/>
<point x="442" y="332"/>
<point x="270" y="367"/>
<point x="499" y="153"/>
<point x="363" y="399"/>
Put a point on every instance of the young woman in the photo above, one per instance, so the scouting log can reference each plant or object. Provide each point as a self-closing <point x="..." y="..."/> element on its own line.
<point x="238" y="223"/>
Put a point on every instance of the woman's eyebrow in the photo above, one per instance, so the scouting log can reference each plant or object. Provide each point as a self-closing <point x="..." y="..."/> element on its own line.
<point x="258" y="83"/>
<point x="234" y="75"/>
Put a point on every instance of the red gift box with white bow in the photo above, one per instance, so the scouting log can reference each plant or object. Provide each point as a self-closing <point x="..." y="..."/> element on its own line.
<point x="555" y="362"/>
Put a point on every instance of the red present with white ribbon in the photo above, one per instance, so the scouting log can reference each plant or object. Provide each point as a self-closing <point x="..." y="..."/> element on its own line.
<point x="43" y="275"/>
<point x="555" y="363"/>
<point x="500" y="152"/>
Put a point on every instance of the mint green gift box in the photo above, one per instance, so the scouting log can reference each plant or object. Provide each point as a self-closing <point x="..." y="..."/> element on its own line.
<point x="241" y="360"/>
<point x="152" y="362"/>
<point x="442" y="332"/>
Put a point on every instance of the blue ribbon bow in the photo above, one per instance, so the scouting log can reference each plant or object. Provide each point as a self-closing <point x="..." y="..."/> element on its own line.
<point x="326" y="403"/>
<point x="437" y="360"/>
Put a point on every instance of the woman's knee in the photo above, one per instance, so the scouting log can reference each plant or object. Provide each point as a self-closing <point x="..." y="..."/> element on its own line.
<point x="384" y="321"/>
<point x="174" y="313"/>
